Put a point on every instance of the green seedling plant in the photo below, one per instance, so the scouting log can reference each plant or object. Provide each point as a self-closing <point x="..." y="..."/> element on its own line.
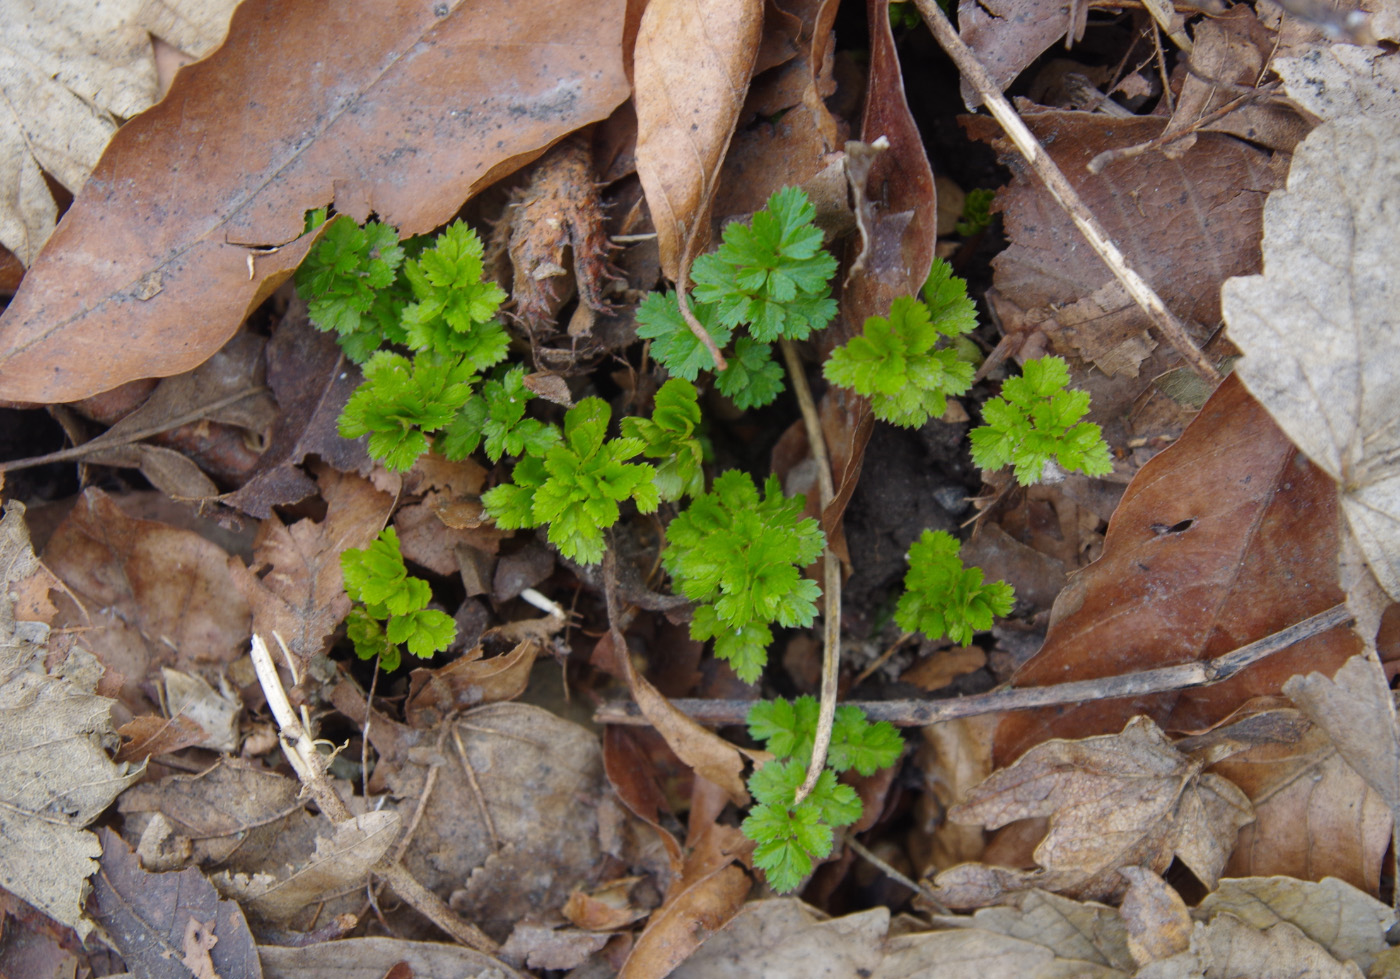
<point x="896" y="361"/>
<point x="942" y="597"/>
<point x="576" y="486"/>
<point x="391" y="606"/>
<point x="977" y="212"/>
<point x="1037" y="419"/>
<point x="671" y="436"/>
<point x="496" y="421"/>
<point x="771" y="278"/>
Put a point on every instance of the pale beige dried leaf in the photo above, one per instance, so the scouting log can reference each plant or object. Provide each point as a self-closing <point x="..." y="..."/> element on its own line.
<point x="1074" y="930"/>
<point x="375" y="958"/>
<point x="1235" y="950"/>
<point x="1117" y="800"/>
<point x="1347" y="922"/>
<point x="1355" y="708"/>
<point x="692" y="67"/>
<point x="342" y="859"/>
<point x="1159" y="926"/>
<point x="190" y="696"/>
<point x="787" y="939"/>
<point x="71" y="70"/>
<point x="1320" y="328"/>
<point x="955" y="756"/>
<point x="983" y="955"/>
<point x="55" y="773"/>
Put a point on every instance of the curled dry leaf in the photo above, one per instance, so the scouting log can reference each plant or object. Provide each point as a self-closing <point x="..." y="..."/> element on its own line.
<point x="468" y="681"/>
<point x="195" y="213"/>
<point x="691" y="66"/>
<point x="1319" y="328"/>
<point x="1159" y="926"/>
<point x="55" y="774"/>
<point x="1128" y="799"/>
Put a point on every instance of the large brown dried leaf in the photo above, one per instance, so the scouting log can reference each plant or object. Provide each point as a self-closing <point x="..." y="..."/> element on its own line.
<point x="1319" y="327"/>
<point x="377" y="958"/>
<point x="169" y="925"/>
<point x="1007" y="35"/>
<point x="1225" y="537"/>
<point x="691" y="915"/>
<point x="692" y="66"/>
<point x="785" y="939"/>
<point x="1127" y="799"/>
<point x="295" y="587"/>
<point x="405" y="112"/>
<point x="55" y="775"/>
<point x="153" y="595"/>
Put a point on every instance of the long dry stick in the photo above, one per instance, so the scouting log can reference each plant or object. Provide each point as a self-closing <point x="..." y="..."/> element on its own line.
<point x="916" y="713"/>
<point x="310" y="767"/>
<point x="831" y="575"/>
<point x="1063" y="192"/>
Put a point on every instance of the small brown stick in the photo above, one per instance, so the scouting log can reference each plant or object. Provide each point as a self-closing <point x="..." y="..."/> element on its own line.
<point x="884" y="867"/>
<point x="831" y="576"/>
<point x="310" y="767"/>
<point x="1097" y="164"/>
<point x="476" y="789"/>
<point x="917" y="713"/>
<point x="1063" y="192"/>
<point x="696" y="327"/>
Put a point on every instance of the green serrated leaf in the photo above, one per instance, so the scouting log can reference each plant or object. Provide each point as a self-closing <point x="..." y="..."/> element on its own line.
<point x="673" y="345"/>
<point x="943" y="597"/>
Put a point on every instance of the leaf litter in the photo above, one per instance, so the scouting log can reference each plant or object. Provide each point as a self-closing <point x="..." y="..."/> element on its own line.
<point x="1222" y="830"/>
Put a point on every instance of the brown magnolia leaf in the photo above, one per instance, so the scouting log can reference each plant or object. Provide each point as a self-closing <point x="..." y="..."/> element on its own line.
<point x="294" y="586"/>
<point x="344" y="853"/>
<point x="375" y="958"/>
<point x="1350" y="924"/>
<point x="195" y="213"/>
<point x="691" y="66"/>
<point x="152" y="594"/>
<point x="1223" y="538"/>
<point x="153" y="920"/>
<point x="311" y="381"/>
<point x="1118" y="800"/>
<point x="71" y="71"/>
<point x="1318" y="326"/>
<point x="1315" y="817"/>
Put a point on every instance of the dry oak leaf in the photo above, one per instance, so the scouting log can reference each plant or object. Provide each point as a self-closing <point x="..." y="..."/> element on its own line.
<point x="1118" y="800"/>
<point x="55" y="773"/>
<point x="195" y="212"/>
<point x="1320" y="328"/>
<point x="71" y="71"/>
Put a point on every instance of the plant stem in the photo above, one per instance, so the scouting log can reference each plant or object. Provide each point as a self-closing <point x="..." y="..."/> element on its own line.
<point x="831" y="574"/>
<point x="1063" y="191"/>
<point x="917" y="713"/>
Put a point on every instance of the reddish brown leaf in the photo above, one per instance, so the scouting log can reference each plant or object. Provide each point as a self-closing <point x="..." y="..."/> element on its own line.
<point x="692" y="66"/>
<point x="468" y="681"/>
<point x="1224" y="538"/>
<point x="693" y="914"/>
<point x="155" y="921"/>
<point x="404" y="111"/>
<point x="633" y="777"/>
<point x="151" y="735"/>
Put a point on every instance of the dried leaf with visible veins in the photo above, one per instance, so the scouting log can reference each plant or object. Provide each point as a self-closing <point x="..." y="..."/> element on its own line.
<point x="1128" y="799"/>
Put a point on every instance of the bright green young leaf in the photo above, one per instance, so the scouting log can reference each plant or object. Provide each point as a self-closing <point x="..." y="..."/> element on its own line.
<point x="577" y="486"/>
<point x="391" y="604"/>
<point x="753" y="378"/>
<point x="942" y="597"/>
<point x="351" y="284"/>
<point x="401" y="401"/>
<point x="1037" y="419"/>
<point x="737" y="555"/>
<point x="673" y="345"/>
<point x="790" y="837"/>
<point x="454" y="309"/>
<point x="672" y="436"/>
<point x="497" y="416"/>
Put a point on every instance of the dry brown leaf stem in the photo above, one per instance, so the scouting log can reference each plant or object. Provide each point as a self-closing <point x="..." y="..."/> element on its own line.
<point x="1063" y="192"/>
<point x="310" y="767"/>
<point x="101" y="442"/>
<point x="831" y="575"/>
<point x="917" y="713"/>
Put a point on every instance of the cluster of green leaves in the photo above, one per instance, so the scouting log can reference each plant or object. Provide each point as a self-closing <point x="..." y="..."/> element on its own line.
<point x="942" y="597"/>
<point x="896" y="362"/>
<point x="391" y="605"/>
<point x="672" y="437"/>
<point x="426" y="296"/>
<point x="1036" y="419"/>
<point x="495" y="420"/>
<point x="977" y="212"/>
<point x="738" y="555"/>
<point x="790" y="836"/>
<point x="770" y="276"/>
<point x="576" y="485"/>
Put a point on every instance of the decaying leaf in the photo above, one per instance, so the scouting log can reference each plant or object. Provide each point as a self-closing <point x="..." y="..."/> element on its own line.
<point x="160" y="923"/>
<point x="344" y="854"/>
<point x="71" y="71"/>
<point x="1127" y="799"/>
<point x="692" y="66"/>
<point x="376" y="958"/>
<point x="785" y="938"/>
<point x="55" y="773"/>
<point x="195" y="213"/>
<point x="1319" y="328"/>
